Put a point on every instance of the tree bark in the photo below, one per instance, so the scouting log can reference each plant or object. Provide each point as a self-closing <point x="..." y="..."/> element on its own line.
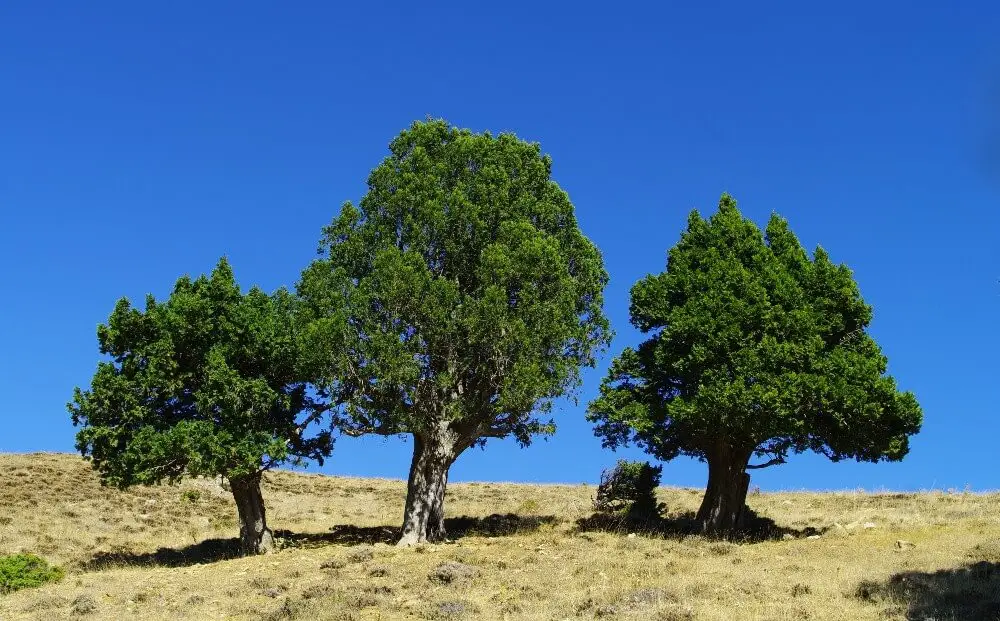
<point x="722" y="510"/>
<point x="423" y="516"/>
<point x="255" y="536"/>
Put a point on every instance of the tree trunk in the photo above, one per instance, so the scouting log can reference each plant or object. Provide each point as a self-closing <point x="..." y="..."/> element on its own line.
<point x="423" y="517"/>
<point x="255" y="536"/>
<point x="722" y="510"/>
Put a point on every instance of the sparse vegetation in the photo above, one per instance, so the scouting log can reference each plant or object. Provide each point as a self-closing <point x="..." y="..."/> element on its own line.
<point x="128" y="554"/>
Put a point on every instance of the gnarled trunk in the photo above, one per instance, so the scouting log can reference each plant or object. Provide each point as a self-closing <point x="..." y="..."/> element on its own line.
<point x="255" y="536"/>
<point x="721" y="512"/>
<point x="423" y="517"/>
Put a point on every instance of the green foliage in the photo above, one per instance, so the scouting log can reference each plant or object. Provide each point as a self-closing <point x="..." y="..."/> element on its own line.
<point x="191" y="495"/>
<point x="206" y="383"/>
<point x="473" y="298"/>
<point x="23" y="571"/>
<point x="630" y="489"/>
<point x="754" y="348"/>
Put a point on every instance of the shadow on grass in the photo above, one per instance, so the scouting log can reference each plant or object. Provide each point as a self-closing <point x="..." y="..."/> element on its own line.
<point x="969" y="592"/>
<point x="207" y="551"/>
<point x="214" y="550"/>
<point x="677" y="526"/>
<point x="496" y="525"/>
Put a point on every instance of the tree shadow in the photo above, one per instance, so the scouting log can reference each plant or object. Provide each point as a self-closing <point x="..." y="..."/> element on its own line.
<point x="214" y="550"/>
<point x="495" y="525"/>
<point x="757" y="528"/>
<point x="968" y="592"/>
<point x="207" y="551"/>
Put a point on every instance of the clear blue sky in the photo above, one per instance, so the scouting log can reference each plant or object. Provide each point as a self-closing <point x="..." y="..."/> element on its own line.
<point x="144" y="140"/>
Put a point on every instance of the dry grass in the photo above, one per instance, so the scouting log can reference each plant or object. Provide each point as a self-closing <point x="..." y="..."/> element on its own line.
<point x="162" y="553"/>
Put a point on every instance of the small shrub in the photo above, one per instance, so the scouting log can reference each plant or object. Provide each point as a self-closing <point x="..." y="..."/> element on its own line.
<point x="360" y="553"/>
<point x="84" y="604"/>
<point x="629" y="489"/>
<point x="22" y="571"/>
<point x="191" y="495"/>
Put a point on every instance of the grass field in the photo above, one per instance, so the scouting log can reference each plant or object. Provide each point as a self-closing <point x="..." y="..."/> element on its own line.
<point x="519" y="552"/>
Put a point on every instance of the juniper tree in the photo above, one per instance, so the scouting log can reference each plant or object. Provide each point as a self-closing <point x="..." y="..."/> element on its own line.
<point x="473" y="300"/>
<point x="206" y="383"/>
<point x="754" y="349"/>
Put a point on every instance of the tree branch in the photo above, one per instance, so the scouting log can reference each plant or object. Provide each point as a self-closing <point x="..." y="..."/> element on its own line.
<point x="773" y="462"/>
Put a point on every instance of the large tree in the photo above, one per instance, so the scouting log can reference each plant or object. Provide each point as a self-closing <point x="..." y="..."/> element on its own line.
<point x="207" y="383"/>
<point x="473" y="300"/>
<point x="755" y="349"/>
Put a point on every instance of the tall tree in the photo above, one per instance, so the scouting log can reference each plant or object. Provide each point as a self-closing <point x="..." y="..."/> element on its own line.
<point x="473" y="300"/>
<point x="754" y="349"/>
<point x="204" y="384"/>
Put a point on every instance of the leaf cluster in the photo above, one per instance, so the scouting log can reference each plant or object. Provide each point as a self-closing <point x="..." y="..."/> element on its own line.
<point x="472" y="297"/>
<point x="207" y="382"/>
<point x="755" y="346"/>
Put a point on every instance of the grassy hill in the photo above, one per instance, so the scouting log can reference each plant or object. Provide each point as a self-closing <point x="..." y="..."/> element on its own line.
<point x="519" y="552"/>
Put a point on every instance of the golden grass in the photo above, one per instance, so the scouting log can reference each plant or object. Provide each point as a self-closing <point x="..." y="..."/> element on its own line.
<point x="158" y="553"/>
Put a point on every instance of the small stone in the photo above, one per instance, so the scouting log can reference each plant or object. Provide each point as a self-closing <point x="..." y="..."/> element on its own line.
<point x="868" y="525"/>
<point x="631" y="535"/>
<point x="813" y="537"/>
<point x="787" y="537"/>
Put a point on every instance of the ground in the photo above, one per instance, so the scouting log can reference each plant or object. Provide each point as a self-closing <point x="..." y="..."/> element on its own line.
<point x="518" y="552"/>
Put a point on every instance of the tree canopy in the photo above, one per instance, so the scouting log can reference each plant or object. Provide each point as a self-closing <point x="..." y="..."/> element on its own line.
<point x="207" y="383"/>
<point x="472" y="301"/>
<point x="755" y="349"/>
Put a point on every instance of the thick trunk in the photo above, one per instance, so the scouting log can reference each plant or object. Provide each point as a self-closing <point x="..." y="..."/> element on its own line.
<point x="722" y="510"/>
<point x="255" y="536"/>
<point x="423" y="517"/>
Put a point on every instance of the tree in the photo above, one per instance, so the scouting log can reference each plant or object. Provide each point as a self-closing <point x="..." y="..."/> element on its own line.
<point x="204" y="384"/>
<point x="754" y="349"/>
<point x="473" y="299"/>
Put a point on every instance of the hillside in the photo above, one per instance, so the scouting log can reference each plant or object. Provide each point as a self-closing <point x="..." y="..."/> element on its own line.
<point x="161" y="553"/>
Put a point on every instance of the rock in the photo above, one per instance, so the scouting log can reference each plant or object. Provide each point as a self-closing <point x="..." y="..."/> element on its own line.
<point x="868" y="525"/>
<point x="813" y="537"/>
<point x="631" y="535"/>
<point x="452" y="572"/>
<point x="787" y="537"/>
<point x="904" y="545"/>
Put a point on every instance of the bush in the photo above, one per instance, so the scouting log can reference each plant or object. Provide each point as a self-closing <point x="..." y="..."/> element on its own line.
<point x="22" y="571"/>
<point x="629" y="490"/>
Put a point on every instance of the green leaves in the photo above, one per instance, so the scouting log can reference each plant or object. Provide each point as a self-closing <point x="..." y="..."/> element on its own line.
<point x="209" y="382"/>
<point x="755" y="346"/>
<point x="472" y="296"/>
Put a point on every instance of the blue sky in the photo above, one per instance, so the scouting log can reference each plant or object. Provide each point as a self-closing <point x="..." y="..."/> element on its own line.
<point x="144" y="140"/>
